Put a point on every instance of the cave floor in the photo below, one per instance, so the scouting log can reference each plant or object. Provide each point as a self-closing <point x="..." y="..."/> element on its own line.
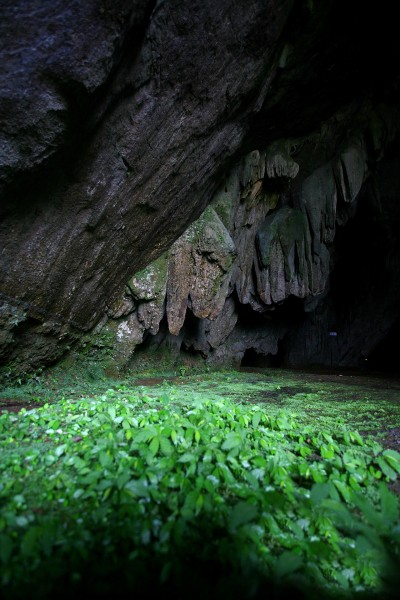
<point x="368" y="403"/>
<point x="377" y="393"/>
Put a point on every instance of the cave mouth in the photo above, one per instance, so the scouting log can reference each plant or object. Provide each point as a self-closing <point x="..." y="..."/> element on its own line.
<point x="254" y="359"/>
<point x="385" y="357"/>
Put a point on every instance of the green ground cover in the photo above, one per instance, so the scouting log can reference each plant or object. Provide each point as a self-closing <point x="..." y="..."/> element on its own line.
<point x="210" y="484"/>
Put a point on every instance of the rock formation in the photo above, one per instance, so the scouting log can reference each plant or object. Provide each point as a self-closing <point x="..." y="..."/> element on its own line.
<point x="266" y="251"/>
<point x="187" y="174"/>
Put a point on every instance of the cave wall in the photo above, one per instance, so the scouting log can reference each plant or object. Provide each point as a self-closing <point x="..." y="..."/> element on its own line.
<point x="304" y="268"/>
<point x="120" y="122"/>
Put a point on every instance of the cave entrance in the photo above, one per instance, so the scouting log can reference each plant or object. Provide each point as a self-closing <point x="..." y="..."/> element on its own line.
<point x="385" y="357"/>
<point x="254" y="359"/>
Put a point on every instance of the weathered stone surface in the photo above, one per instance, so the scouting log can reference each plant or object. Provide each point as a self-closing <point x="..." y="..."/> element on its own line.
<point x="55" y="56"/>
<point x="285" y="257"/>
<point x="217" y="331"/>
<point x="129" y="332"/>
<point x="264" y="337"/>
<point x="287" y="254"/>
<point x="121" y="121"/>
<point x="279" y="163"/>
<point x="139" y="311"/>
<point x="249" y="207"/>
<point x="148" y="289"/>
<point x="213" y="334"/>
<point x="199" y="271"/>
<point x="350" y="172"/>
<point x="173" y="109"/>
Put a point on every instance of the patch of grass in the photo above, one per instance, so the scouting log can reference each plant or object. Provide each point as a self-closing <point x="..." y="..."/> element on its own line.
<point x="215" y="484"/>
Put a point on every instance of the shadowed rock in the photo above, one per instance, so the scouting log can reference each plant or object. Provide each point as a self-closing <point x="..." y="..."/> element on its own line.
<point x="120" y="122"/>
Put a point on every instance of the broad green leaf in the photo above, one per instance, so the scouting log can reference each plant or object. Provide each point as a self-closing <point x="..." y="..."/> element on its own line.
<point x="344" y="489"/>
<point x="242" y="513"/>
<point x="106" y="493"/>
<point x="143" y="436"/>
<point x="317" y="474"/>
<point x="258" y="474"/>
<point x="226" y="473"/>
<point x="363" y="545"/>
<point x="305" y="451"/>
<point x="211" y="484"/>
<point x="105" y="459"/>
<point x="190" y="505"/>
<point x="30" y="541"/>
<point x="354" y="481"/>
<point x="338" y="511"/>
<point x="59" y="451"/>
<point x="233" y="440"/>
<point x="77" y="493"/>
<point x="199" y="502"/>
<point x="208" y="456"/>
<point x="392" y="458"/>
<point x="173" y="480"/>
<point x="189" y="435"/>
<point x="103" y="484"/>
<point x="356" y="437"/>
<point x="165" y="445"/>
<point x="327" y="452"/>
<point x="154" y="445"/>
<point x="6" y="547"/>
<point x="385" y="468"/>
<point x="369" y="513"/>
<point x="138" y="487"/>
<point x="123" y="479"/>
<point x="287" y="563"/>
<point x="319" y="491"/>
<point x="187" y="457"/>
<point x="390" y="505"/>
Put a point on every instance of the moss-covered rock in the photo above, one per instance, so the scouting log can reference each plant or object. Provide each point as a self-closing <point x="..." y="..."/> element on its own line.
<point x="199" y="271"/>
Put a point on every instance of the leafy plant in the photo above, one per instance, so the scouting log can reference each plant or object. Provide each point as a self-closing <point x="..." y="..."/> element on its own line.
<point x="174" y="490"/>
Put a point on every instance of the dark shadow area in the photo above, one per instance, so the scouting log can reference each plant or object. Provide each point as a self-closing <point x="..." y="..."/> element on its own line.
<point x="365" y="281"/>
<point x="290" y="312"/>
<point x="191" y="332"/>
<point x="252" y="358"/>
<point x="385" y="357"/>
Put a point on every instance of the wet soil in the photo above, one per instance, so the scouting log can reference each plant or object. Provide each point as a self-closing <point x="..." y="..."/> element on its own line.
<point x="14" y="406"/>
<point x="151" y="381"/>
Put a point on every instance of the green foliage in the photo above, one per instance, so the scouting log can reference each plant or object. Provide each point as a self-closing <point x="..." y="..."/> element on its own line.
<point x="169" y="490"/>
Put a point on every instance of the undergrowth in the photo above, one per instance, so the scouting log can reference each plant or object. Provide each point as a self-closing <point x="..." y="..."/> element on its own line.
<point x="183" y="489"/>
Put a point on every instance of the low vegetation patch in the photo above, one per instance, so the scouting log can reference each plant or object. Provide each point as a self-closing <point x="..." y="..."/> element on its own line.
<point x="162" y="490"/>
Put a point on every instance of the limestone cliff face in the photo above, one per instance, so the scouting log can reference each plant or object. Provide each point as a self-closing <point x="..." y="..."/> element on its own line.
<point x="261" y="251"/>
<point x="120" y="122"/>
